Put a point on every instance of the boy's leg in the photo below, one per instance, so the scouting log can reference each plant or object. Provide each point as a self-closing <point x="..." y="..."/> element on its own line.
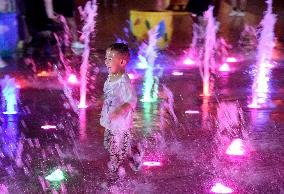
<point x="118" y="149"/>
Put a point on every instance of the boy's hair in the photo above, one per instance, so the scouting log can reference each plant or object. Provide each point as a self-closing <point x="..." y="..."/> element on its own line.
<point x="121" y="48"/>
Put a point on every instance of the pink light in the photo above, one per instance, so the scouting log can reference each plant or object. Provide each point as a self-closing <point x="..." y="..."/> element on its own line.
<point x="231" y="60"/>
<point x="236" y="148"/>
<point x="82" y="106"/>
<point x="131" y="76"/>
<point x="177" y="73"/>
<point x="48" y="127"/>
<point x="219" y="188"/>
<point x="151" y="164"/>
<point x="191" y="112"/>
<point x="72" y="79"/>
<point x="188" y="61"/>
<point x="225" y="67"/>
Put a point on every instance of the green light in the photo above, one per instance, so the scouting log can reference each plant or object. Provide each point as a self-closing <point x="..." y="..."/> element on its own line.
<point x="56" y="176"/>
<point x="150" y="87"/>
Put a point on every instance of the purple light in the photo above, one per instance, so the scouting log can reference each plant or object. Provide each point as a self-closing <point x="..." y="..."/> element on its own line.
<point x="225" y="68"/>
<point x="72" y="79"/>
<point x="48" y="127"/>
<point x="220" y="188"/>
<point x="188" y="61"/>
<point x="191" y="112"/>
<point x="177" y="73"/>
<point x="231" y="60"/>
<point x="152" y="164"/>
<point x="236" y="148"/>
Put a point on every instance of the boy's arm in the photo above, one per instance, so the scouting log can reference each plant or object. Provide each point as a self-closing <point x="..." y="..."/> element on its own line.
<point x="121" y="110"/>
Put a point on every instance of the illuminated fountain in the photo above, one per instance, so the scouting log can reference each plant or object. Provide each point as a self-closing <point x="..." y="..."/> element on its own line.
<point x="260" y="87"/>
<point x="89" y="17"/>
<point x="9" y="95"/>
<point x="147" y="55"/>
<point x="208" y="63"/>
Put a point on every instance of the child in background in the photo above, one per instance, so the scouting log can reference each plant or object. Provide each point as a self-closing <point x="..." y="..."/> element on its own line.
<point x="119" y="103"/>
<point x="65" y="8"/>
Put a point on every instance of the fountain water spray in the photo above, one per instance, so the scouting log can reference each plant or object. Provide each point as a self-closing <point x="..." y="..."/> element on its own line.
<point x="208" y="63"/>
<point x="89" y="17"/>
<point x="260" y="88"/>
<point x="9" y="94"/>
<point x="193" y="53"/>
<point x="148" y="54"/>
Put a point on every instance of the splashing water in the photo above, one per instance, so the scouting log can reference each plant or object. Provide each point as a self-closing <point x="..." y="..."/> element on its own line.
<point x="66" y="30"/>
<point x="220" y="188"/>
<point x="89" y="16"/>
<point x="260" y="88"/>
<point x="55" y="176"/>
<point x="9" y="94"/>
<point x="148" y="54"/>
<point x="208" y="60"/>
<point x="231" y="120"/>
<point x="170" y="102"/>
<point x="192" y="55"/>
<point x="222" y="51"/>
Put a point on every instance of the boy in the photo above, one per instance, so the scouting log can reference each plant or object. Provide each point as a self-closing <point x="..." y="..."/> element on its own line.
<point x="119" y="103"/>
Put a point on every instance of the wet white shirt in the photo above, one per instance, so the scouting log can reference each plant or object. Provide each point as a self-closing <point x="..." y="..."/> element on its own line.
<point x="117" y="93"/>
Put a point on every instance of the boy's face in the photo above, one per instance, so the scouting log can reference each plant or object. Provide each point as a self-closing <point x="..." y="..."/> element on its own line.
<point x="114" y="62"/>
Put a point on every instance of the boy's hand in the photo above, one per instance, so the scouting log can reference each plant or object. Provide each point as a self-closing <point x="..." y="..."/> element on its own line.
<point x="120" y="111"/>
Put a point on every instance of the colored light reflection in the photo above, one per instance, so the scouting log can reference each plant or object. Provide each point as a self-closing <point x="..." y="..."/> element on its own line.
<point x="188" y="61"/>
<point x="152" y="163"/>
<point x="10" y="94"/>
<point x="220" y="188"/>
<point x="177" y="73"/>
<point x="225" y="68"/>
<point x="236" y="148"/>
<point x="192" y="112"/>
<point x="55" y="176"/>
<point x="131" y="76"/>
<point x="231" y="60"/>
<point x="82" y="105"/>
<point x="72" y="79"/>
<point x="48" y="127"/>
<point x="43" y="74"/>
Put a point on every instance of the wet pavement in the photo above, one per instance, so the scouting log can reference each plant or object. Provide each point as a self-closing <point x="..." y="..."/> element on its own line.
<point x="191" y="153"/>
